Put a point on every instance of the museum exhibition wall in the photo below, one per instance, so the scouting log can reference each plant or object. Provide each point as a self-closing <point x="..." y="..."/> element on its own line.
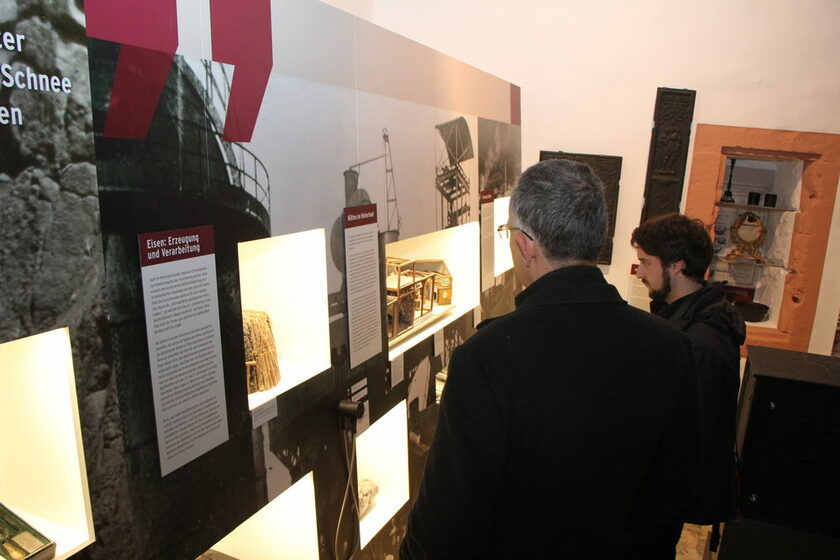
<point x="589" y="74"/>
<point x="212" y="238"/>
<point x="240" y="242"/>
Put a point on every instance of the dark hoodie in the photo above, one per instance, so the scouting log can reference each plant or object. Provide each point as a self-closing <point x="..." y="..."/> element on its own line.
<point x="716" y="331"/>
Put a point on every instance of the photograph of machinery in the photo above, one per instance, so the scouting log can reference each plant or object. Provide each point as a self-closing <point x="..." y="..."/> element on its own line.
<point x="451" y="181"/>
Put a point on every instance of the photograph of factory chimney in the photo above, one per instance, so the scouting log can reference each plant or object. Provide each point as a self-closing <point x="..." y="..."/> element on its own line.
<point x="177" y="174"/>
<point x="381" y="166"/>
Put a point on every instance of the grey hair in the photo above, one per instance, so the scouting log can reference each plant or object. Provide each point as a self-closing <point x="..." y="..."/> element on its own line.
<point x="561" y="203"/>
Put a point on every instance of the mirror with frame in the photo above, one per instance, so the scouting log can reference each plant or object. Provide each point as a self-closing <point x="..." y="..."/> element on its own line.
<point x="747" y="233"/>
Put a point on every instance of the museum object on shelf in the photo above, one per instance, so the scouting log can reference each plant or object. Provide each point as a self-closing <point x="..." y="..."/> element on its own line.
<point x="413" y="287"/>
<point x="368" y="490"/>
<point x="19" y="541"/>
<point x="261" y="365"/>
<point x="752" y="311"/>
<point x="747" y="233"/>
<point x="727" y="194"/>
<point x="442" y="288"/>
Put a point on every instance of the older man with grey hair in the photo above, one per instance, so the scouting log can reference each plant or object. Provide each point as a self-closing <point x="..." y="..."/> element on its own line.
<point x="570" y="423"/>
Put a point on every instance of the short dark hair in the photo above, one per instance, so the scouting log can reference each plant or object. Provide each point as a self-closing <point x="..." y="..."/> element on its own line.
<point x="561" y="203"/>
<point x="675" y="237"/>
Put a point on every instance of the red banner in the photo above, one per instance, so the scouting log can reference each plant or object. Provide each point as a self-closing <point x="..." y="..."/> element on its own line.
<point x="355" y="216"/>
<point x="176" y="244"/>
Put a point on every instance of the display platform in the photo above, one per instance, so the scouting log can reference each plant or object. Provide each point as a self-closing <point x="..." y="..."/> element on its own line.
<point x="458" y="247"/>
<point x="43" y="479"/>
<point x="285" y="529"/>
<point x="283" y="280"/>
<point x="382" y="458"/>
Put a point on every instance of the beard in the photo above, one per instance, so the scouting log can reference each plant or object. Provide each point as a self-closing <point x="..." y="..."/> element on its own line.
<point x="663" y="291"/>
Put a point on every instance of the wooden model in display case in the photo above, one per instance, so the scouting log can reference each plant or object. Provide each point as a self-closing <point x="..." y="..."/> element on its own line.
<point x="413" y="287"/>
<point x="19" y="541"/>
<point x="261" y="365"/>
<point x="443" y="289"/>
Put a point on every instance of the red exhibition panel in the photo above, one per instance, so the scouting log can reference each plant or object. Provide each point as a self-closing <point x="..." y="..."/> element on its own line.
<point x="148" y="33"/>
<point x="241" y="34"/>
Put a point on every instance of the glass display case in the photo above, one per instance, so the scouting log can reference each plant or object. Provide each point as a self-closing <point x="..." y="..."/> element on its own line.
<point x="502" y="261"/>
<point x="753" y="234"/>
<point x="285" y="529"/>
<point x="433" y="269"/>
<point x="284" y="308"/>
<point x="382" y="462"/>
<point x="43" y="479"/>
<point x="20" y="541"/>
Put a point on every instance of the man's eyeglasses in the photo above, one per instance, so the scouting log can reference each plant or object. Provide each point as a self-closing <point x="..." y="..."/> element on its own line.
<point x="504" y="231"/>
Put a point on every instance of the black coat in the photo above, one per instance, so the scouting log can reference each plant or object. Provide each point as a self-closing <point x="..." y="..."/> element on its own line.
<point x="716" y="331"/>
<point x="563" y="424"/>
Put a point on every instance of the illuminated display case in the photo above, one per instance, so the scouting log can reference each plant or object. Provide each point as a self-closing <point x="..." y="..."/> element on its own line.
<point x="285" y="529"/>
<point x="19" y="540"/>
<point x="285" y="279"/>
<point x="502" y="261"/>
<point x="43" y="479"/>
<point x="452" y="255"/>
<point x="754" y="232"/>
<point x="382" y="457"/>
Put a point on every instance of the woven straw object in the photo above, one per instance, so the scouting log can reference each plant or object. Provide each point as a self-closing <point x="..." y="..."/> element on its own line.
<point x="260" y="352"/>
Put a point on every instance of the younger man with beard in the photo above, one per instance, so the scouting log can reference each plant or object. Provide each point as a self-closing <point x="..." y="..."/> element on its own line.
<point x="674" y="253"/>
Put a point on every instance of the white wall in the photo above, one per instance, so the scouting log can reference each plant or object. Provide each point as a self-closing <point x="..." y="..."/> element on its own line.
<point x="589" y="73"/>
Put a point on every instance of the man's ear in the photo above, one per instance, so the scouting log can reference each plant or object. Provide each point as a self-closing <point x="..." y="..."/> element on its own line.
<point x="527" y="248"/>
<point x="676" y="266"/>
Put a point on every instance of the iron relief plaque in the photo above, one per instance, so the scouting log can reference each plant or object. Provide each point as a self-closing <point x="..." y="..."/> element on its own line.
<point x="672" y="118"/>
<point x="608" y="169"/>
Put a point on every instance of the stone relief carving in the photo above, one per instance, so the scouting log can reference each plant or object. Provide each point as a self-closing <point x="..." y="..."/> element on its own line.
<point x="668" y="151"/>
